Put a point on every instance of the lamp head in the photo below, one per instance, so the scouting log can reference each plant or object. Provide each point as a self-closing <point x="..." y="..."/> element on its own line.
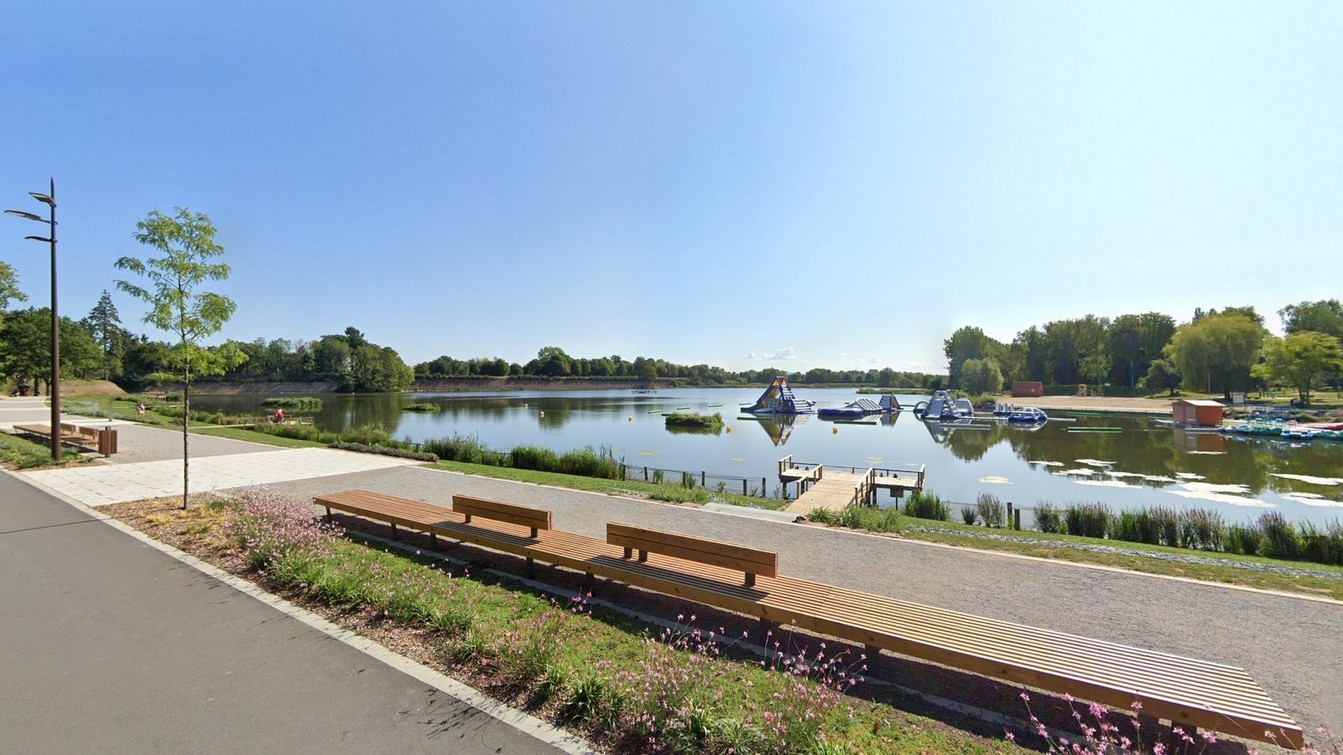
<point x="39" y="238"/>
<point x="43" y="198"/>
<point x="22" y="214"/>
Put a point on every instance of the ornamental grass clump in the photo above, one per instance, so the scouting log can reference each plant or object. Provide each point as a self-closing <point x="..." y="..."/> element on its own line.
<point x="926" y="505"/>
<point x="1048" y="519"/>
<point x="1087" y="519"/>
<point x="990" y="510"/>
<point x="268" y="528"/>
<point x="1202" y="529"/>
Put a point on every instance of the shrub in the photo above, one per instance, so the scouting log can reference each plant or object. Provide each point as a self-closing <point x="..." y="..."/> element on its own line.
<point x="926" y="505"/>
<point x="1318" y="545"/>
<point x="591" y="462"/>
<point x="1243" y="540"/>
<point x="422" y="407"/>
<point x="299" y="403"/>
<point x="465" y="448"/>
<point x="400" y="453"/>
<point x="535" y="457"/>
<point x="268" y="528"/>
<point x="991" y="510"/>
<point x="969" y="515"/>
<point x="1047" y="518"/>
<point x="1202" y="529"/>
<point x="695" y="422"/>
<point x="1087" y="519"/>
<point x="1279" y="536"/>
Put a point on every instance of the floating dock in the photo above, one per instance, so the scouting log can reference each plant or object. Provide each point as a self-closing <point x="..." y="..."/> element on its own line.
<point x="823" y="486"/>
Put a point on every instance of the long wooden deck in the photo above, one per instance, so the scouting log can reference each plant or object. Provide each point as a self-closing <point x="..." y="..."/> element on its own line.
<point x="834" y="487"/>
<point x="833" y="491"/>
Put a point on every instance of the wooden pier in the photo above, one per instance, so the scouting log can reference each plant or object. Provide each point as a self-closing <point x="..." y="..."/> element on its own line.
<point x="833" y="487"/>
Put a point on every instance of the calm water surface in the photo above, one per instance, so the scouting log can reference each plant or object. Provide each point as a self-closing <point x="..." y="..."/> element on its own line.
<point x="1149" y="464"/>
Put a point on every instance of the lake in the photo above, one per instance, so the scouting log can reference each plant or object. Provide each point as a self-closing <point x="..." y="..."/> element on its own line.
<point x="1144" y="464"/>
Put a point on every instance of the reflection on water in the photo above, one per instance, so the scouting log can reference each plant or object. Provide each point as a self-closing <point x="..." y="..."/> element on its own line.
<point x="1151" y="464"/>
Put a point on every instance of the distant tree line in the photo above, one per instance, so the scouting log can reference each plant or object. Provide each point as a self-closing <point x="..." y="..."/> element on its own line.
<point x="1215" y="352"/>
<point x="553" y="363"/>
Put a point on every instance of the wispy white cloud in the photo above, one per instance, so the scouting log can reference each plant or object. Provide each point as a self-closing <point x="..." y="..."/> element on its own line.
<point x="784" y="353"/>
<point x="749" y="355"/>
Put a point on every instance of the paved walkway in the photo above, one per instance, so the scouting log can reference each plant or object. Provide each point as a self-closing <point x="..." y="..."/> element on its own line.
<point x="102" y="484"/>
<point x="113" y="646"/>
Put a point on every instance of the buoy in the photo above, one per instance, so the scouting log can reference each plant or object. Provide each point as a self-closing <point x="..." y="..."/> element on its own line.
<point x="543" y="414"/>
<point x="729" y="429"/>
<point x="631" y="419"/>
<point x="834" y="431"/>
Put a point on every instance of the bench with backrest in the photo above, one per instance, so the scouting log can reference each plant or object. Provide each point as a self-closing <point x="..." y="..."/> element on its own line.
<point x="534" y="519"/>
<point x="83" y="437"/>
<point x="751" y="561"/>
<point x="1185" y="691"/>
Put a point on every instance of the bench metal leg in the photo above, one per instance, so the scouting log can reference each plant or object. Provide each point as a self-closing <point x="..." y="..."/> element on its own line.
<point x="533" y="533"/>
<point x="328" y="513"/>
<point x="395" y="536"/>
<point x="433" y="539"/>
<point x="629" y="553"/>
<point x="468" y="519"/>
<point x="750" y="579"/>
<point x="531" y="567"/>
<point x="643" y="556"/>
<point x="589" y="581"/>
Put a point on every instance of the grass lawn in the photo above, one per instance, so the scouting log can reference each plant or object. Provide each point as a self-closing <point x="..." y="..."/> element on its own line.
<point x="21" y="453"/>
<point x="656" y="491"/>
<point x="238" y="433"/>
<point x="1045" y="545"/>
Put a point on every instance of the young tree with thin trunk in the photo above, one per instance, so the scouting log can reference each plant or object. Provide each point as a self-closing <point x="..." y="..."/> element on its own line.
<point x="176" y="303"/>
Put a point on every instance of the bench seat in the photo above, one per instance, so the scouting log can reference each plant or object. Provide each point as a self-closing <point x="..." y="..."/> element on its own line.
<point x="1188" y="692"/>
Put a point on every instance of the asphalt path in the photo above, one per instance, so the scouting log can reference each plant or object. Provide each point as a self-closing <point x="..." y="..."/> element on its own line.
<point x="1292" y="646"/>
<point x="109" y="645"/>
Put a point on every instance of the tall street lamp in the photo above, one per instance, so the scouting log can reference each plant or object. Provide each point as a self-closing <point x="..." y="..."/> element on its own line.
<point x="54" y="385"/>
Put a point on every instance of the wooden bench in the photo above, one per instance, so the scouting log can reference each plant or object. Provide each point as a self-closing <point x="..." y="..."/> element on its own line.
<point x="1188" y="692"/>
<point x="82" y="437"/>
<point x="752" y="561"/>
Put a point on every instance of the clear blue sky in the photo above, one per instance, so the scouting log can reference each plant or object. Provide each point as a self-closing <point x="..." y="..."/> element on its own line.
<point x="840" y="183"/>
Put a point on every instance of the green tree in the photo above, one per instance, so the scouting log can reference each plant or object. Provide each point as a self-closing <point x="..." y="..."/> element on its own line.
<point x="1325" y="316"/>
<point x="965" y="344"/>
<point x="104" y="324"/>
<point x="25" y="347"/>
<point x="9" y="287"/>
<point x="1161" y="376"/>
<point x="980" y="376"/>
<point x="1215" y="352"/>
<point x="1302" y="358"/>
<point x="177" y="305"/>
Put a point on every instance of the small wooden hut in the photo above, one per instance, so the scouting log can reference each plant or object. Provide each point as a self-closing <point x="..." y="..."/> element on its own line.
<point x="1197" y="412"/>
<point x="1027" y="388"/>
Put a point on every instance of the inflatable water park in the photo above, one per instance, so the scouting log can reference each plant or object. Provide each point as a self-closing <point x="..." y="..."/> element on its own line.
<point x="778" y="398"/>
<point x="941" y="407"/>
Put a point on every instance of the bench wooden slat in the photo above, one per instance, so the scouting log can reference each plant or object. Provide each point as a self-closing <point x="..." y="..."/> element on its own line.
<point x="1187" y="691"/>
<point x="526" y="516"/>
<point x="730" y="556"/>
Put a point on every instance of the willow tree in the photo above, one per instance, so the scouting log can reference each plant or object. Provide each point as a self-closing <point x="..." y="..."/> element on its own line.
<point x="177" y="305"/>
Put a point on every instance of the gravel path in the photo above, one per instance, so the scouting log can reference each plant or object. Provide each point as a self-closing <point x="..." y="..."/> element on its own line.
<point x="1290" y="645"/>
